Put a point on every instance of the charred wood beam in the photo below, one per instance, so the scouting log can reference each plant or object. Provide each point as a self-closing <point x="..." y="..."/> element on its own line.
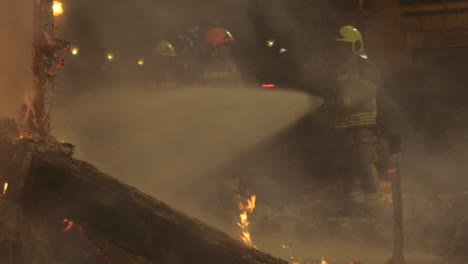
<point x="17" y="146"/>
<point x="128" y="217"/>
<point x="45" y="63"/>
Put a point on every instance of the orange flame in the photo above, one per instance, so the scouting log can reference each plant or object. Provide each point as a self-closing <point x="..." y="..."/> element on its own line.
<point x="5" y="188"/>
<point x="246" y="206"/>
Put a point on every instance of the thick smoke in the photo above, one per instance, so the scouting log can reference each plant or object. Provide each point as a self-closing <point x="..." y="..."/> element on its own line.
<point x="15" y="54"/>
<point x="164" y="141"/>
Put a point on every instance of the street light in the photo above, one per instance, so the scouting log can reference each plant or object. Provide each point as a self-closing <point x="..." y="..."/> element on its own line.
<point x="75" y="51"/>
<point x="110" y="56"/>
<point x="270" y="43"/>
<point x="57" y="8"/>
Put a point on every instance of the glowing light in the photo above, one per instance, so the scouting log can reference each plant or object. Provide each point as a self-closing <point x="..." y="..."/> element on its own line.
<point x="57" y="8"/>
<point x="270" y="43"/>
<point x="75" y="51"/>
<point x="141" y="62"/>
<point x="110" y="56"/>
<point x="268" y="85"/>
<point x="69" y="224"/>
<point x="283" y="50"/>
<point x="5" y="188"/>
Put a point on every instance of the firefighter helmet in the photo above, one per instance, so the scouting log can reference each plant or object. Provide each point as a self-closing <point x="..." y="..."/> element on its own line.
<point x="217" y="36"/>
<point x="165" y="48"/>
<point x="352" y="35"/>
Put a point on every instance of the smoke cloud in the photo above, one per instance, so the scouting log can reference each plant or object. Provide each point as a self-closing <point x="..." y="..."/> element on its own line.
<point x="165" y="141"/>
<point x="15" y="54"/>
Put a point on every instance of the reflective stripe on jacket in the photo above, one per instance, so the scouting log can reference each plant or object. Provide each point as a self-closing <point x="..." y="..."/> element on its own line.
<point x="221" y="69"/>
<point x="356" y="97"/>
<point x="216" y="75"/>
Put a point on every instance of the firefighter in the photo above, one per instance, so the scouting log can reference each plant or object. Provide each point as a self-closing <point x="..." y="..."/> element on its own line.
<point x="220" y="68"/>
<point x="164" y="68"/>
<point x="189" y="54"/>
<point x="356" y="121"/>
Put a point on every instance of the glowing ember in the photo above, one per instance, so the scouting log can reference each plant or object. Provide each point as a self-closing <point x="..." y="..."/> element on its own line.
<point x="246" y="206"/>
<point x="291" y="256"/>
<point x="5" y="188"/>
<point x="57" y="8"/>
<point x="25" y="134"/>
<point x="293" y="259"/>
<point x="72" y="227"/>
<point x="75" y="51"/>
<point x="141" y="62"/>
<point x="69" y="224"/>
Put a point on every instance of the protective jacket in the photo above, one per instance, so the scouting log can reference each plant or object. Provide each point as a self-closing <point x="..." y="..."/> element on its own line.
<point x="356" y="95"/>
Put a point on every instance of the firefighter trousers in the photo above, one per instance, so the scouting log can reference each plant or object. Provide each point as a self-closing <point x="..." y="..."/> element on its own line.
<point x="356" y="160"/>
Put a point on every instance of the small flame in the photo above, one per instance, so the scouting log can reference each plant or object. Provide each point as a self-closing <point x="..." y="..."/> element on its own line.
<point x="141" y="62"/>
<point x="5" y="188"/>
<point x="323" y="261"/>
<point x="75" y="51"/>
<point x="246" y="206"/>
<point x="57" y="8"/>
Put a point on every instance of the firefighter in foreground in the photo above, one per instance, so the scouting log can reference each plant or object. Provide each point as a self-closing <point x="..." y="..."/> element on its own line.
<point x="220" y="68"/>
<point x="356" y="122"/>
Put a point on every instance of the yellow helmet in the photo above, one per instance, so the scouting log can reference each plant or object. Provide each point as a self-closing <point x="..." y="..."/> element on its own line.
<point x="352" y="35"/>
<point x="165" y="48"/>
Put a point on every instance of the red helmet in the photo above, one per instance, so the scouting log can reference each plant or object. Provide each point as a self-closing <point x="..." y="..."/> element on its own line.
<point x="216" y="36"/>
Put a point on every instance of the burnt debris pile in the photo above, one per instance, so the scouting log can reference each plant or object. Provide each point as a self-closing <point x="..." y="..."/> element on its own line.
<point x="56" y="209"/>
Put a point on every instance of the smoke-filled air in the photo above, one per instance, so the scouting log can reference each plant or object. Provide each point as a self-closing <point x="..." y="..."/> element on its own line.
<point x="324" y="132"/>
<point x="16" y="56"/>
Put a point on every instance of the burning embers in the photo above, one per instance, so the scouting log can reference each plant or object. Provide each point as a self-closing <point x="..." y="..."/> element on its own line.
<point x="71" y="227"/>
<point x="246" y="206"/>
<point x="296" y="260"/>
<point x="299" y="260"/>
